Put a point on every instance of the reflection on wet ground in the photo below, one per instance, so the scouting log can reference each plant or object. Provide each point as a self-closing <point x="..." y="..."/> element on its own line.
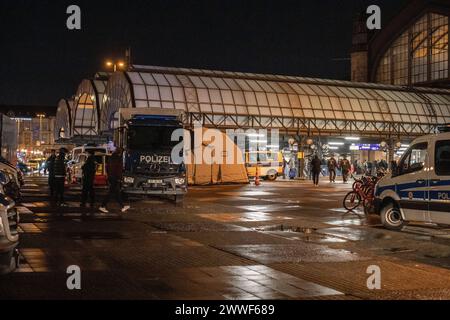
<point x="281" y="240"/>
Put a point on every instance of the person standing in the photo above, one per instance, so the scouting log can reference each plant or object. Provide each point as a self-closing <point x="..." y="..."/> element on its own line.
<point x="345" y="167"/>
<point x="332" y="164"/>
<point x="316" y="169"/>
<point x="60" y="176"/>
<point x="50" y="166"/>
<point x="88" y="169"/>
<point x="114" y="170"/>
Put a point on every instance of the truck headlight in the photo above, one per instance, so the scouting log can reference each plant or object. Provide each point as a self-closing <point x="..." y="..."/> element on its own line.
<point x="128" y="180"/>
<point x="179" y="181"/>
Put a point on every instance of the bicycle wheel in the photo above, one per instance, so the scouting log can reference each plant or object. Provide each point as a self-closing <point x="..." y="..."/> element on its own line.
<point x="351" y="200"/>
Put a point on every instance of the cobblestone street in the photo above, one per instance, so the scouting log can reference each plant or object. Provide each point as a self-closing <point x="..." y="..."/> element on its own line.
<point x="281" y="240"/>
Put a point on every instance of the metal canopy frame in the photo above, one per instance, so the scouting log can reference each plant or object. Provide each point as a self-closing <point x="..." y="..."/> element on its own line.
<point x="294" y="104"/>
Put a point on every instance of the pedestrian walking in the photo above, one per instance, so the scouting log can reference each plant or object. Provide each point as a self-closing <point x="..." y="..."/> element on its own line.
<point x="332" y="164"/>
<point x="88" y="170"/>
<point x="316" y="168"/>
<point x="50" y="166"/>
<point x="60" y="169"/>
<point x="114" y="170"/>
<point x="345" y="168"/>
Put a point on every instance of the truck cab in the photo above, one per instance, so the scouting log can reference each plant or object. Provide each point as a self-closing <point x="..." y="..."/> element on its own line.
<point x="419" y="189"/>
<point x="146" y="139"/>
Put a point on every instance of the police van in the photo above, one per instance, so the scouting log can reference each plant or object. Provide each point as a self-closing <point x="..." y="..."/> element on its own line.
<point x="419" y="189"/>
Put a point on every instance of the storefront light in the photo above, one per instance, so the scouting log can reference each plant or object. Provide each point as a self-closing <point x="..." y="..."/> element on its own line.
<point x="336" y="143"/>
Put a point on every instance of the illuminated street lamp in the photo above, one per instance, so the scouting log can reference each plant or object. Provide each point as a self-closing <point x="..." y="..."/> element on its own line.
<point x="40" y="116"/>
<point x="115" y="65"/>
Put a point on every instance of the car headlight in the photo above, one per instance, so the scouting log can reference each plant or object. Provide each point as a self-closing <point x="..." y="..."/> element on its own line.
<point x="128" y="179"/>
<point x="180" y="180"/>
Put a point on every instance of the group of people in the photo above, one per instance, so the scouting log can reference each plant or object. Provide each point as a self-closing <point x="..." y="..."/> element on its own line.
<point x="57" y="172"/>
<point x="332" y="164"/>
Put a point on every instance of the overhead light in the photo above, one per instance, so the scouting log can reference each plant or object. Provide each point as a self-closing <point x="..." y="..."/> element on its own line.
<point x="352" y="138"/>
<point x="405" y="145"/>
<point x="336" y="143"/>
<point x="255" y="135"/>
<point x="258" y="141"/>
<point x="354" y="148"/>
<point x="333" y="148"/>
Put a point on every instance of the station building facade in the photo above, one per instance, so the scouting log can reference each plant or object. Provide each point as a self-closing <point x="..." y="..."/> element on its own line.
<point x="411" y="50"/>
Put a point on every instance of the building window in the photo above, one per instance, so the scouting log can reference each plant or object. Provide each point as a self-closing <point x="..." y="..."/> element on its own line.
<point x="419" y="55"/>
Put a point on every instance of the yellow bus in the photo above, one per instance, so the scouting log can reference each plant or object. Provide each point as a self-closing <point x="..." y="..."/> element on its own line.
<point x="269" y="163"/>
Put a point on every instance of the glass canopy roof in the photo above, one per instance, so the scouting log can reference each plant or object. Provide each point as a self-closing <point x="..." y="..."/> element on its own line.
<point x="232" y="97"/>
<point x="87" y="105"/>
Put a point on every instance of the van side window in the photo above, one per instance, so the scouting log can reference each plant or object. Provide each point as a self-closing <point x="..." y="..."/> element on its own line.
<point x="442" y="158"/>
<point x="414" y="159"/>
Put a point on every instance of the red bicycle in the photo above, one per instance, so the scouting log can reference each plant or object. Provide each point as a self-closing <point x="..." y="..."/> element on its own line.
<point x="362" y="193"/>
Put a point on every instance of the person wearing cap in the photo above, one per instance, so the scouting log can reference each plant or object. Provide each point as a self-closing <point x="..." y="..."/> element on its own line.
<point x="60" y="169"/>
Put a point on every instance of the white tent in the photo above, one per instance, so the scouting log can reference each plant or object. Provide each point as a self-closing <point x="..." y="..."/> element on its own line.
<point x="228" y="168"/>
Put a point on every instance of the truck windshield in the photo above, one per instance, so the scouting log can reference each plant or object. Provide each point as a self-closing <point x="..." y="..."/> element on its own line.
<point x="148" y="137"/>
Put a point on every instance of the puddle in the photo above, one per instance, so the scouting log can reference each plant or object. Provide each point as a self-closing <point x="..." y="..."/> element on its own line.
<point x="306" y="234"/>
<point x="287" y="228"/>
<point x="399" y="250"/>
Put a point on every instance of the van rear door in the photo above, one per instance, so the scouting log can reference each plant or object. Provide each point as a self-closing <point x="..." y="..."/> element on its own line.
<point x="439" y="193"/>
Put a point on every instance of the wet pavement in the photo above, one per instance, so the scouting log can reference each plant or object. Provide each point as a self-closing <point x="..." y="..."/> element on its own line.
<point x="280" y="240"/>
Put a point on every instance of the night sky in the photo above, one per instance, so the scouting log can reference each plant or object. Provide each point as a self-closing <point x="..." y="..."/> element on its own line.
<point x="41" y="61"/>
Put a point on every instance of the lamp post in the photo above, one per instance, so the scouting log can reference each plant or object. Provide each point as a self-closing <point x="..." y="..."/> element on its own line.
<point x="115" y="65"/>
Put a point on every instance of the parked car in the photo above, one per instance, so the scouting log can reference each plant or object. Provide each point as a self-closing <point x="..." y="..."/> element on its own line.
<point x="9" y="236"/>
<point x="75" y="168"/>
<point x="34" y="165"/>
<point x="15" y="180"/>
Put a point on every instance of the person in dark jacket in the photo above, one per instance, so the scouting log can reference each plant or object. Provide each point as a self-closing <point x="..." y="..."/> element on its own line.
<point x="88" y="169"/>
<point x="316" y="169"/>
<point x="345" y="167"/>
<point x="60" y="169"/>
<point x="114" y="170"/>
<point x="50" y="166"/>
<point x="332" y="164"/>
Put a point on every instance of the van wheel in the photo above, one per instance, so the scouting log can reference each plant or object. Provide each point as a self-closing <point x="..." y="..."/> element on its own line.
<point x="271" y="176"/>
<point x="391" y="217"/>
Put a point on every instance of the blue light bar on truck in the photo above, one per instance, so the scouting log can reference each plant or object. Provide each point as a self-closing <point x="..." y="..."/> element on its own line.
<point x="154" y="117"/>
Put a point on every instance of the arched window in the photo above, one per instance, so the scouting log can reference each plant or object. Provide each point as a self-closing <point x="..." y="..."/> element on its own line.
<point x="418" y="55"/>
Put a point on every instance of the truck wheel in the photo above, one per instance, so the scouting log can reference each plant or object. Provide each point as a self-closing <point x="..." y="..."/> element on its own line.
<point x="391" y="217"/>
